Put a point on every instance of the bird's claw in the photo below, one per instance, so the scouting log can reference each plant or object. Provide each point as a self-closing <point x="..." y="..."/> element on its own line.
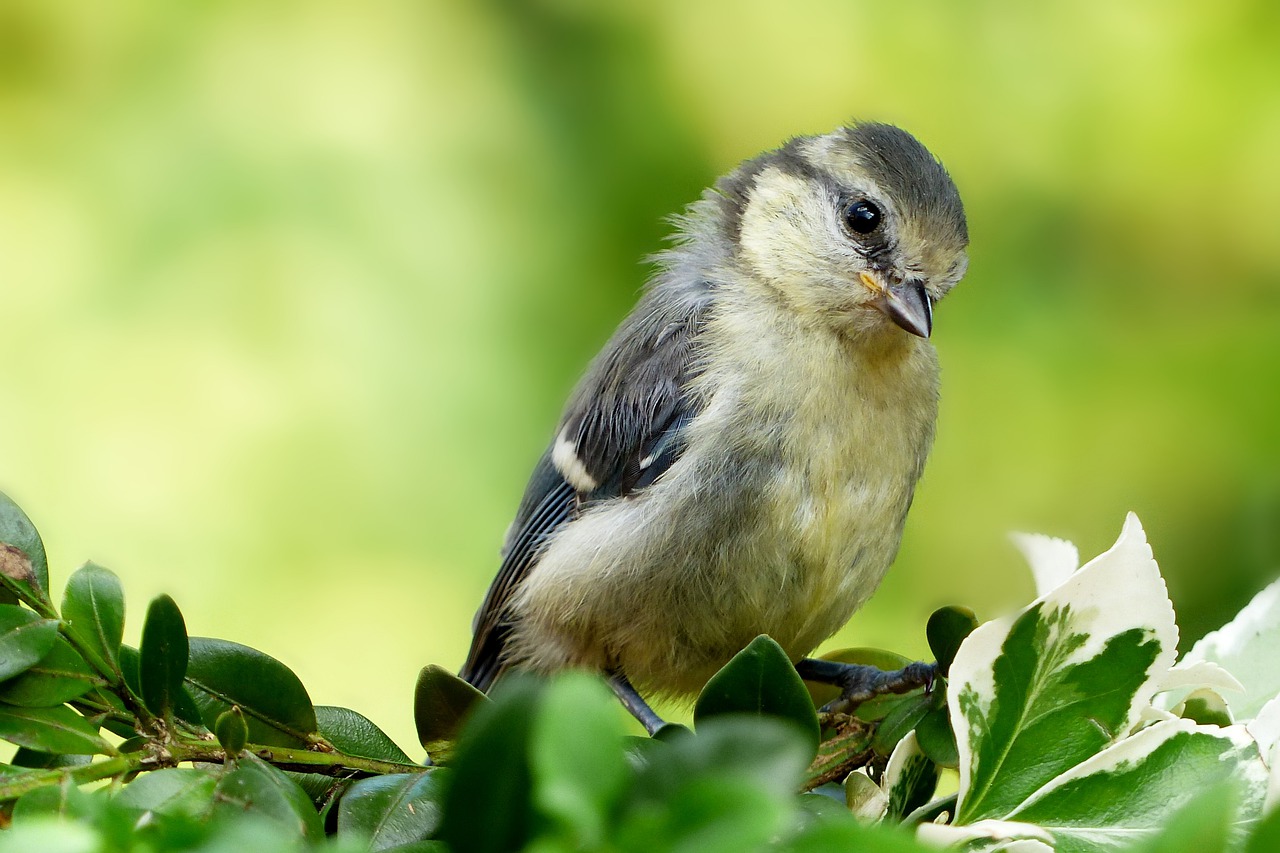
<point x="860" y="683"/>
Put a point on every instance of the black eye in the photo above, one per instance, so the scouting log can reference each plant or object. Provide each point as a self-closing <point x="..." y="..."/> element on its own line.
<point x="862" y="217"/>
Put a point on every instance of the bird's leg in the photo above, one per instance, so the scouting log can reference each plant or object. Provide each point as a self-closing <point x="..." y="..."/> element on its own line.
<point x="858" y="683"/>
<point x="634" y="702"/>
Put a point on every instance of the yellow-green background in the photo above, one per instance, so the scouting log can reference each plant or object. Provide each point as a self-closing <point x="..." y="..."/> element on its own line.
<point x="291" y="292"/>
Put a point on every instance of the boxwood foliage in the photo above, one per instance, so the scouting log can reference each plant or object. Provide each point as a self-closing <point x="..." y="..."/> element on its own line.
<point x="1065" y="726"/>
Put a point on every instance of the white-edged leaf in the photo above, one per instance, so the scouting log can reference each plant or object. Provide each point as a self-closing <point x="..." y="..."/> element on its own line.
<point x="863" y="797"/>
<point x="971" y="835"/>
<point x="909" y="778"/>
<point x="1246" y="647"/>
<point x="1131" y="788"/>
<point x="1033" y="695"/>
<point x="1052" y="560"/>
<point x="1200" y="675"/>
<point x="1265" y="728"/>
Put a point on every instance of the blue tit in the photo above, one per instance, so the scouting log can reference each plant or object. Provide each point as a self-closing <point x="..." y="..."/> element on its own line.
<point x="740" y="457"/>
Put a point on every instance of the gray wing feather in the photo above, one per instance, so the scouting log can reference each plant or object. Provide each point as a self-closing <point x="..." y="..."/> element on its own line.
<point x="624" y="420"/>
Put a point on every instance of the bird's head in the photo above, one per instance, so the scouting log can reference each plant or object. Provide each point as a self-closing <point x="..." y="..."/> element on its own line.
<point x="858" y="228"/>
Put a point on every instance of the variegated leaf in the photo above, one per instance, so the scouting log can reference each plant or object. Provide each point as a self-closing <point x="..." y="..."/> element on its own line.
<point x="1034" y="695"/>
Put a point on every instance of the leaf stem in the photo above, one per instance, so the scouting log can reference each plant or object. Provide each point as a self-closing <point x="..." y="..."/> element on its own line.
<point x="23" y="783"/>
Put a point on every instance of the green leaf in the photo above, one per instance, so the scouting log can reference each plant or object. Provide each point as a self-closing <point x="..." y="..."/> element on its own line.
<point x="176" y="792"/>
<point x="47" y="760"/>
<point x="60" y="676"/>
<point x="25" y="639"/>
<point x="276" y="706"/>
<point x="946" y="630"/>
<point x="1204" y="824"/>
<point x="184" y="707"/>
<point x="51" y="730"/>
<point x="730" y="787"/>
<point x="256" y="787"/>
<point x="491" y="766"/>
<point x="388" y="811"/>
<point x="937" y="741"/>
<point x="162" y="656"/>
<point x="763" y="751"/>
<point x="579" y="767"/>
<point x="231" y="731"/>
<point x="62" y="800"/>
<point x="760" y="680"/>
<point x="356" y="734"/>
<point x="853" y="837"/>
<point x="723" y="815"/>
<point x="1265" y="837"/>
<point x="1034" y="696"/>
<point x="93" y="609"/>
<point x="442" y="703"/>
<point x="24" y="568"/>
<point x="902" y="719"/>
<point x="881" y="659"/>
<point x="1132" y="789"/>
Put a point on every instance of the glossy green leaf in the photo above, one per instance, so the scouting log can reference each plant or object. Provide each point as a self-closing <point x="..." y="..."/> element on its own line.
<point x="579" y="767"/>
<point x="902" y="719"/>
<point x="276" y="706"/>
<point x="162" y="656"/>
<point x="388" y="811"/>
<point x="34" y="758"/>
<point x="881" y="659"/>
<point x="442" y="703"/>
<point x="93" y="609"/>
<point x="1034" y="696"/>
<point x="60" y="676"/>
<point x="175" y="791"/>
<point x="184" y="707"/>
<point x="946" y="630"/>
<point x="25" y="638"/>
<point x="24" y="568"/>
<point x="760" y="680"/>
<point x="491" y="766"/>
<point x="355" y="734"/>
<point x="256" y="787"/>
<point x="231" y="731"/>
<point x="937" y="741"/>
<point x="51" y="730"/>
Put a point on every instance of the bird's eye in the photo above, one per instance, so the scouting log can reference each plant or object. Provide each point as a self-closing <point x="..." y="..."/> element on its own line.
<point x="862" y="217"/>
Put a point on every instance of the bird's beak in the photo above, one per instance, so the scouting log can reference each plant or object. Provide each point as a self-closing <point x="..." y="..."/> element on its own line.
<point x="906" y="303"/>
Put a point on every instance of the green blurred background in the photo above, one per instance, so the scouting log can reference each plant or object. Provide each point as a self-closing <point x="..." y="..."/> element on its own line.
<point x="291" y="292"/>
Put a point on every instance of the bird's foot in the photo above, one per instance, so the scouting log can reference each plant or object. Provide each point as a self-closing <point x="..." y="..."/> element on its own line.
<point x="858" y="682"/>
<point x="634" y="702"/>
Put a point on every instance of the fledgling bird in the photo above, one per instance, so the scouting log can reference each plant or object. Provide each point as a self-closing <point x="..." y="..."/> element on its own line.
<point x="740" y="457"/>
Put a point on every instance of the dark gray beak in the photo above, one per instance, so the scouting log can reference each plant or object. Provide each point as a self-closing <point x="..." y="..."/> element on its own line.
<point x="908" y="304"/>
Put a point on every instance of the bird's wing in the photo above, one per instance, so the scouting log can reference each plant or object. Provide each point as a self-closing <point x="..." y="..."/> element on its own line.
<point x="622" y="429"/>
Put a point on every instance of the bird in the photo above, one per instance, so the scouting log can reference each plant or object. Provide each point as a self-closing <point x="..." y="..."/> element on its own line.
<point x="740" y="457"/>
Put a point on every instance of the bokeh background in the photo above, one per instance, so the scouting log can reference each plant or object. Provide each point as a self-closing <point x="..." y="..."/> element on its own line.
<point x="291" y="291"/>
